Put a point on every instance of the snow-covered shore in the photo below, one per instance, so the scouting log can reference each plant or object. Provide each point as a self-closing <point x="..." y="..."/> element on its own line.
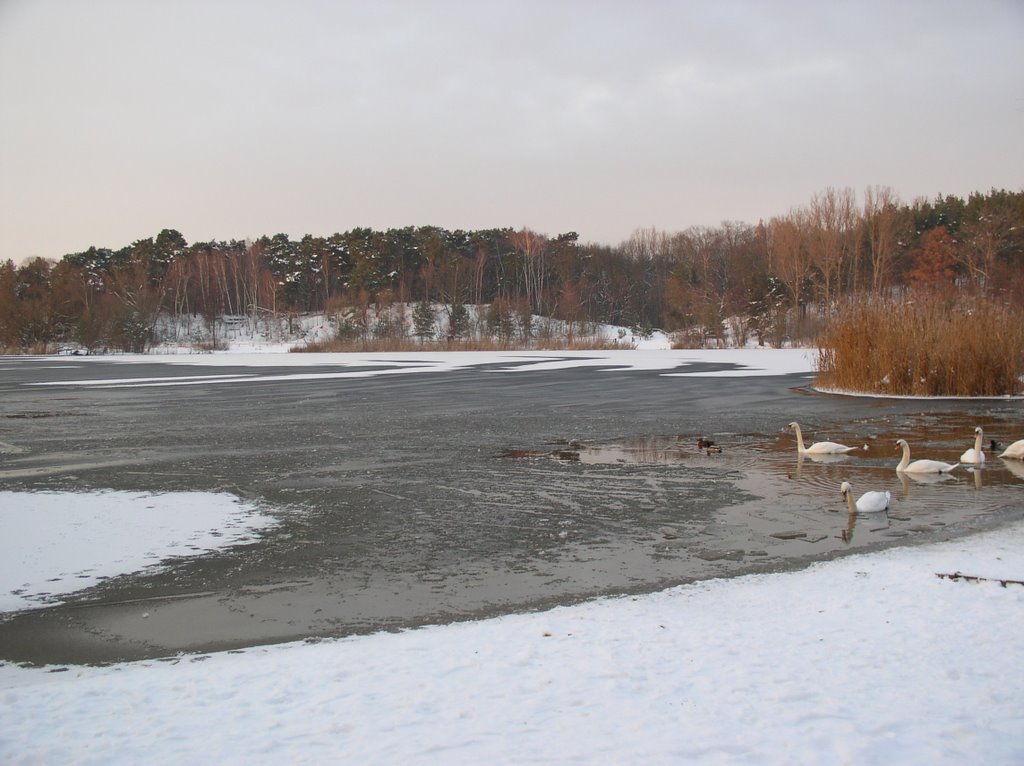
<point x="869" y="659"/>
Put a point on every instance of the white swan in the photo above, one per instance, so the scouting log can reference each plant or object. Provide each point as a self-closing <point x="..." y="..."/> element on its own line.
<point x="975" y="455"/>
<point x="1015" y="450"/>
<point x="920" y="466"/>
<point x="869" y="502"/>
<point x="818" y="448"/>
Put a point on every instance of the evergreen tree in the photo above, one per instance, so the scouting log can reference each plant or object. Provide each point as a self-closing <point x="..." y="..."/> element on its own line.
<point x="500" y="320"/>
<point x="423" y="320"/>
<point x="10" y="318"/>
<point x="458" y="321"/>
<point x="283" y="261"/>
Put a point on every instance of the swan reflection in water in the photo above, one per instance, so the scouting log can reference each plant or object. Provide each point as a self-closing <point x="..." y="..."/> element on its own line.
<point x="1016" y="467"/>
<point x="921" y="478"/>
<point x="825" y="457"/>
<point x="875" y="521"/>
<point x="976" y="472"/>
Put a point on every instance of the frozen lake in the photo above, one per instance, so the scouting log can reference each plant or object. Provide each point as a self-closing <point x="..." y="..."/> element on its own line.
<point x="408" y="489"/>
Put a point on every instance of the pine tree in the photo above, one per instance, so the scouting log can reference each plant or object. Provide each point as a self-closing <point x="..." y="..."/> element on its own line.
<point x="423" y="320"/>
<point x="458" y="321"/>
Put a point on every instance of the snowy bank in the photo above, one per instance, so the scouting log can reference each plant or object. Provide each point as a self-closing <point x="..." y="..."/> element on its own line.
<point x="55" y="543"/>
<point x="868" y="659"/>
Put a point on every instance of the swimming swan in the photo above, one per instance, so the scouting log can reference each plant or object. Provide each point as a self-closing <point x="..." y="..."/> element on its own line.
<point x="869" y="502"/>
<point x="920" y="466"/>
<point x="1015" y="450"/>
<point x="818" y="448"/>
<point x="974" y="455"/>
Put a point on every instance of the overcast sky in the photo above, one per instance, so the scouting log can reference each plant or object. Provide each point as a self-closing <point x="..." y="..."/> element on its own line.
<point x="228" y="119"/>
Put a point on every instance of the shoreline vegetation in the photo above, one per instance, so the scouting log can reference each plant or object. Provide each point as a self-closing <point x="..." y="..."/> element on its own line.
<point x="775" y="283"/>
<point x="926" y="344"/>
<point x="919" y="299"/>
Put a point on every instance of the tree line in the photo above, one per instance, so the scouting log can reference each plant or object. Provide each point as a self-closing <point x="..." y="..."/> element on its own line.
<point x="772" y="280"/>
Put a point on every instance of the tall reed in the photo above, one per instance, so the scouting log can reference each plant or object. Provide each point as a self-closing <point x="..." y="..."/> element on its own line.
<point x="924" y="345"/>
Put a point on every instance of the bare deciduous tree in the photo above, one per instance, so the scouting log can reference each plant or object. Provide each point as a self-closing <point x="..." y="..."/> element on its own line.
<point x="882" y="228"/>
<point x="980" y="243"/>
<point x="790" y="255"/>
<point x="831" y="219"/>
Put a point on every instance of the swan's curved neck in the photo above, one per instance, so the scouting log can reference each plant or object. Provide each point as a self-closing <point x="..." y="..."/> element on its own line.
<point x="799" y="438"/>
<point x="977" y="442"/>
<point x="906" y="457"/>
<point x="849" y="501"/>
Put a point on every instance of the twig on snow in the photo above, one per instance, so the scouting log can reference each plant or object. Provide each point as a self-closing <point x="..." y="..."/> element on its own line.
<point x="956" y="576"/>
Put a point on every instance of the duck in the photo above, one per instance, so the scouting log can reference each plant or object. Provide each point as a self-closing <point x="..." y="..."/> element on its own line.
<point x="975" y="455"/>
<point x="920" y="466"/>
<point x="714" y="449"/>
<point x="869" y="502"/>
<point x="818" y="448"/>
<point x="703" y="443"/>
<point x="1015" y="450"/>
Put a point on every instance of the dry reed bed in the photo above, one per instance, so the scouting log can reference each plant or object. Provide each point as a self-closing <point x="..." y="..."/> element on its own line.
<point x="924" y="345"/>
